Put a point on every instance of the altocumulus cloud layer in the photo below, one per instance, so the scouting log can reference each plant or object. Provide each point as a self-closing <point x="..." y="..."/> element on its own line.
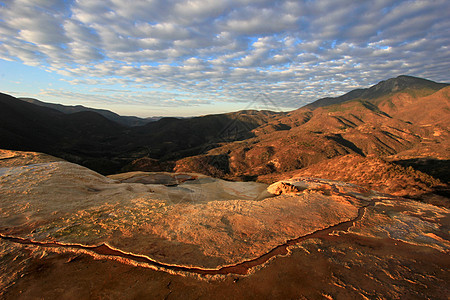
<point x="194" y="52"/>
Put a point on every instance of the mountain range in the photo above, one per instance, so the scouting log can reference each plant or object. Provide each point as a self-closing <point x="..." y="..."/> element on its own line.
<point x="129" y="121"/>
<point x="400" y="125"/>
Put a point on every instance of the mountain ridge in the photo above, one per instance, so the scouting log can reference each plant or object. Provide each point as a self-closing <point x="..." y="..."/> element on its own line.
<point x="398" y="127"/>
<point x="383" y="88"/>
<point x="91" y="139"/>
<point x="130" y="121"/>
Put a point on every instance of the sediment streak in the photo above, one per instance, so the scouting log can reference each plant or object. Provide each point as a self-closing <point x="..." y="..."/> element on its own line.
<point x="241" y="268"/>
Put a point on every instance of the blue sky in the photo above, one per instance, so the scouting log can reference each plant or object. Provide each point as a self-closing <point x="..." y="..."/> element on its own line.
<point x="194" y="57"/>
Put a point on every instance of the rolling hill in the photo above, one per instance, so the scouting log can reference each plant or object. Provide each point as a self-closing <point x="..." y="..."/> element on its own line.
<point x="402" y="121"/>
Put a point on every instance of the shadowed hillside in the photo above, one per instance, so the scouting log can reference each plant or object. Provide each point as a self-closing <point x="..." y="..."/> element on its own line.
<point x="123" y="120"/>
<point x="90" y="139"/>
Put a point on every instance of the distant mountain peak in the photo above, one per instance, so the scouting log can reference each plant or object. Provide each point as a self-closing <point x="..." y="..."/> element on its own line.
<point x="400" y="83"/>
<point x="380" y="89"/>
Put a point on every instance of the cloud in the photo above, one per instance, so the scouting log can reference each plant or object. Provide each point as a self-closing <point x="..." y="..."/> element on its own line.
<point x="230" y="50"/>
<point x="99" y="97"/>
<point x="252" y="20"/>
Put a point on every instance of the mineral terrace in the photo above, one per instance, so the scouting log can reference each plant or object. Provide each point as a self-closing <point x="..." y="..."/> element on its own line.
<point x="68" y="232"/>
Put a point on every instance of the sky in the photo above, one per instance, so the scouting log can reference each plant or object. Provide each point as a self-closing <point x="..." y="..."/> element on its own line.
<point x="195" y="57"/>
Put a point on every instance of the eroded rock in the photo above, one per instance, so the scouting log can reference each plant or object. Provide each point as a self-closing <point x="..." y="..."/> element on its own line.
<point x="190" y="222"/>
<point x="199" y="221"/>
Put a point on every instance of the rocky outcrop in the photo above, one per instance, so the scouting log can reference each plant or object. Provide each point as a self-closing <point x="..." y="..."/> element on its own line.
<point x="187" y="219"/>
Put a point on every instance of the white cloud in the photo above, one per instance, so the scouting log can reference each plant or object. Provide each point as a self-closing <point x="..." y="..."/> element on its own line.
<point x="232" y="49"/>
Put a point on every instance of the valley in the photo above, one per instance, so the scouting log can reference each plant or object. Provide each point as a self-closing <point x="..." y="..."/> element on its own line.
<point x="399" y="121"/>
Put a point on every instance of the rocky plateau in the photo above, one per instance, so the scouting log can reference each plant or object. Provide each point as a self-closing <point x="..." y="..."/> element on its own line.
<point x="67" y="232"/>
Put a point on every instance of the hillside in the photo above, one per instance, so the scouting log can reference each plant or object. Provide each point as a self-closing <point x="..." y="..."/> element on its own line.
<point x="129" y="121"/>
<point x="90" y="139"/>
<point x="399" y="120"/>
<point x="31" y="126"/>
<point x="376" y="173"/>
<point x="401" y="83"/>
